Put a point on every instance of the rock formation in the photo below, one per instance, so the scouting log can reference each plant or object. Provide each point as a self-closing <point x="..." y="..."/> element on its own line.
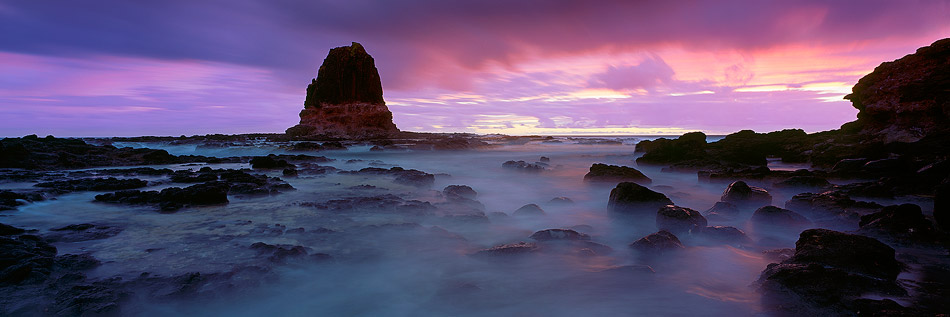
<point x="346" y="99"/>
<point x="907" y="99"/>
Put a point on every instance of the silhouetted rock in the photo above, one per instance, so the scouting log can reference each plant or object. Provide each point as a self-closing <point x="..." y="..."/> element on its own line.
<point x="94" y="184"/>
<point x="560" y="201"/>
<point x="830" y="207"/>
<point x="9" y="200"/>
<point x="900" y="101"/>
<point x="632" y="198"/>
<point x="741" y="194"/>
<point x="25" y="259"/>
<point x="173" y="198"/>
<point x="529" y="210"/>
<point x="59" y="153"/>
<point x="346" y="99"/>
<point x="779" y="218"/>
<point x="403" y="176"/>
<point x="559" y="234"/>
<point x="613" y="173"/>
<point x="270" y="161"/>
<point x="656" y="243"/>
<point x="679" y="220"/>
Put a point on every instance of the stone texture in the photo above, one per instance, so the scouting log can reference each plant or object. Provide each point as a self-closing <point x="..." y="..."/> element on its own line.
<point x="346" y="99"/>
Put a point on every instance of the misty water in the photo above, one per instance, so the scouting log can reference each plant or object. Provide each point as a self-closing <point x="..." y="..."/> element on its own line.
<point x="402" y="263"/>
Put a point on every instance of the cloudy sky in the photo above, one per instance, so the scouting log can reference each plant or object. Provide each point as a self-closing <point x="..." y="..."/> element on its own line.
<point x="117" y="67"/>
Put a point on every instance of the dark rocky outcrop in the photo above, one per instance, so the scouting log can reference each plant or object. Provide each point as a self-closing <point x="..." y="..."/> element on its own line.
<point x="9" y="199"/>
<point x="906" y="100"/>
<point x="459" y="191"/>
<point x="559" y="234"/>
<point x="632" y="198"/>
<point x="832" y="207"/>
<point x="346" y="99"/>
<point x="904" y="223"/>
<point x="614" y="173"/>
<point x="831" y="269"/>
<point x="522" y="166"/>
<point x="402" y="176"/>
<point x="94" y="184"/>
<point x="779" y="218"/>
<point x="657" y="243"/>
<point x="173" y="198"/>
<point x="31" y="152"/>
<point x="803" y="182"/>
<point x="741" y="194"/>
<point x="679" y="220"/>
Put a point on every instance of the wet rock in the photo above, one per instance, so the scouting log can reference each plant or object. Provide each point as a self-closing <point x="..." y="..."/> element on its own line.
<point x="289" y="172"/>
<point x="832" y="269"/>
<point x="561" y="201"/>
<point x="9" y="200"/>
<point x="279" y="253"/>
<point x="380" y="203"/>
<point x="7" y="230"/>
<point x="172" y="198"/>
<point x="942" y="205"/>
<point x="94" y="184"/>
<point x="185" y="176"/>
<point x="305" y="146"/>
<point x="519" y="248"/>
<point x="270" y="161"/>
<point x="76" y="262"/>
<point x="613" y="173"/>
<point x="656" y="243"/>
<point x="82" y="232"/>
<point x="853" y="165"/>
<point x="402" y="176"/>
<point x="632" y="198"/>
<point x="803" y="182"/>
<point x="459" y="191"/>
<point x="903" y="223"/>
<point x="831" y="207"/>
<point x="529" y="210"/>
<point x="58" y="153"/>
<point x="25" y="259"/>
<point x="522" y="166"/>
<point x="559" y="234"/>
<point x="778" y="255"/>
<point x="741" y="194"/>
<point x="723" y="235"/>
<point x="87" y="300"/>
<point x="545" y="159"/>
<point x="679" y="220"/>
<point x="722" y="211"/>
<point x="779" y="218"/>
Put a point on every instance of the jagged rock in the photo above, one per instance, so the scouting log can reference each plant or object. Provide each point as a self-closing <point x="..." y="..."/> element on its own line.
<point x="741" y="194"/>
<point x="613" y="173"/>
<point x="779" y="218"/>
<point x="722" y="211"/>
<point x="9" y="200"/>
<point x="269" y="161"/>
<point x="559" y="234"/>
<point x="656" y="243"/>
<point x="172" y="198"/>
<point x="632" y="198"/>
<point x="900" y="101"/>
<point x="679" y="220"/>
<point x="529" y="210"/>
<point x="25" y="259"/>
<point x="459" y="191"/>
<point x="346" y="99"/>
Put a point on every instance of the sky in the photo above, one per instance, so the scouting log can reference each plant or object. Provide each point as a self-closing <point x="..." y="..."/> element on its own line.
<point x="185" y="67"/>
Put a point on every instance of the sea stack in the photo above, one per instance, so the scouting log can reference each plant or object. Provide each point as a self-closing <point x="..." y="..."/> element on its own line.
<point x="346" y="99"/>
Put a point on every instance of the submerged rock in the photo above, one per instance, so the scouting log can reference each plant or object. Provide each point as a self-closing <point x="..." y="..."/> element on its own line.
<point x="656" y="243"/>
<point x="529" y="210"/>
<point x="459" y="191"/>
<point x="82" y="232"/>
<point x="560" y="201"/>
<point x="741" y="194"/>
<point x="519" y="248"/>
<point x="779" y="218"/>
<point x="723" y="235"/>
<point x="902" y="223"/>
<point x="722" y="211"/>
<point x="522" y="166"/>
<point x="632" y="198"/>
<point x="830" y="207"/>
<point x="679" y="220"/>
<point x="559" y="234"/>
<point x="613" y="173"/>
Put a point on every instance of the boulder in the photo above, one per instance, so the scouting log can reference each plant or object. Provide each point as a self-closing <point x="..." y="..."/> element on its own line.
<point x="903" y="223"/>
<point x="656" y="243"/>
<point x="459" y="191"/>
<point x="614" y="173"/>
<point x="723" y="235"/>
<point x="529" y="210"/>
<point x="780" y="218"/>
<point x="522" y="166"/>
<point x="559" y="234"/>
<point x="722" y="211"/>
<point x="632" y="198"/>
<point x="831" y="269"/>
<point x="346" y="99"/>
<point x="830" y="207"/>
<point x="679" y="220"/>
<point x="741" y="194"/>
